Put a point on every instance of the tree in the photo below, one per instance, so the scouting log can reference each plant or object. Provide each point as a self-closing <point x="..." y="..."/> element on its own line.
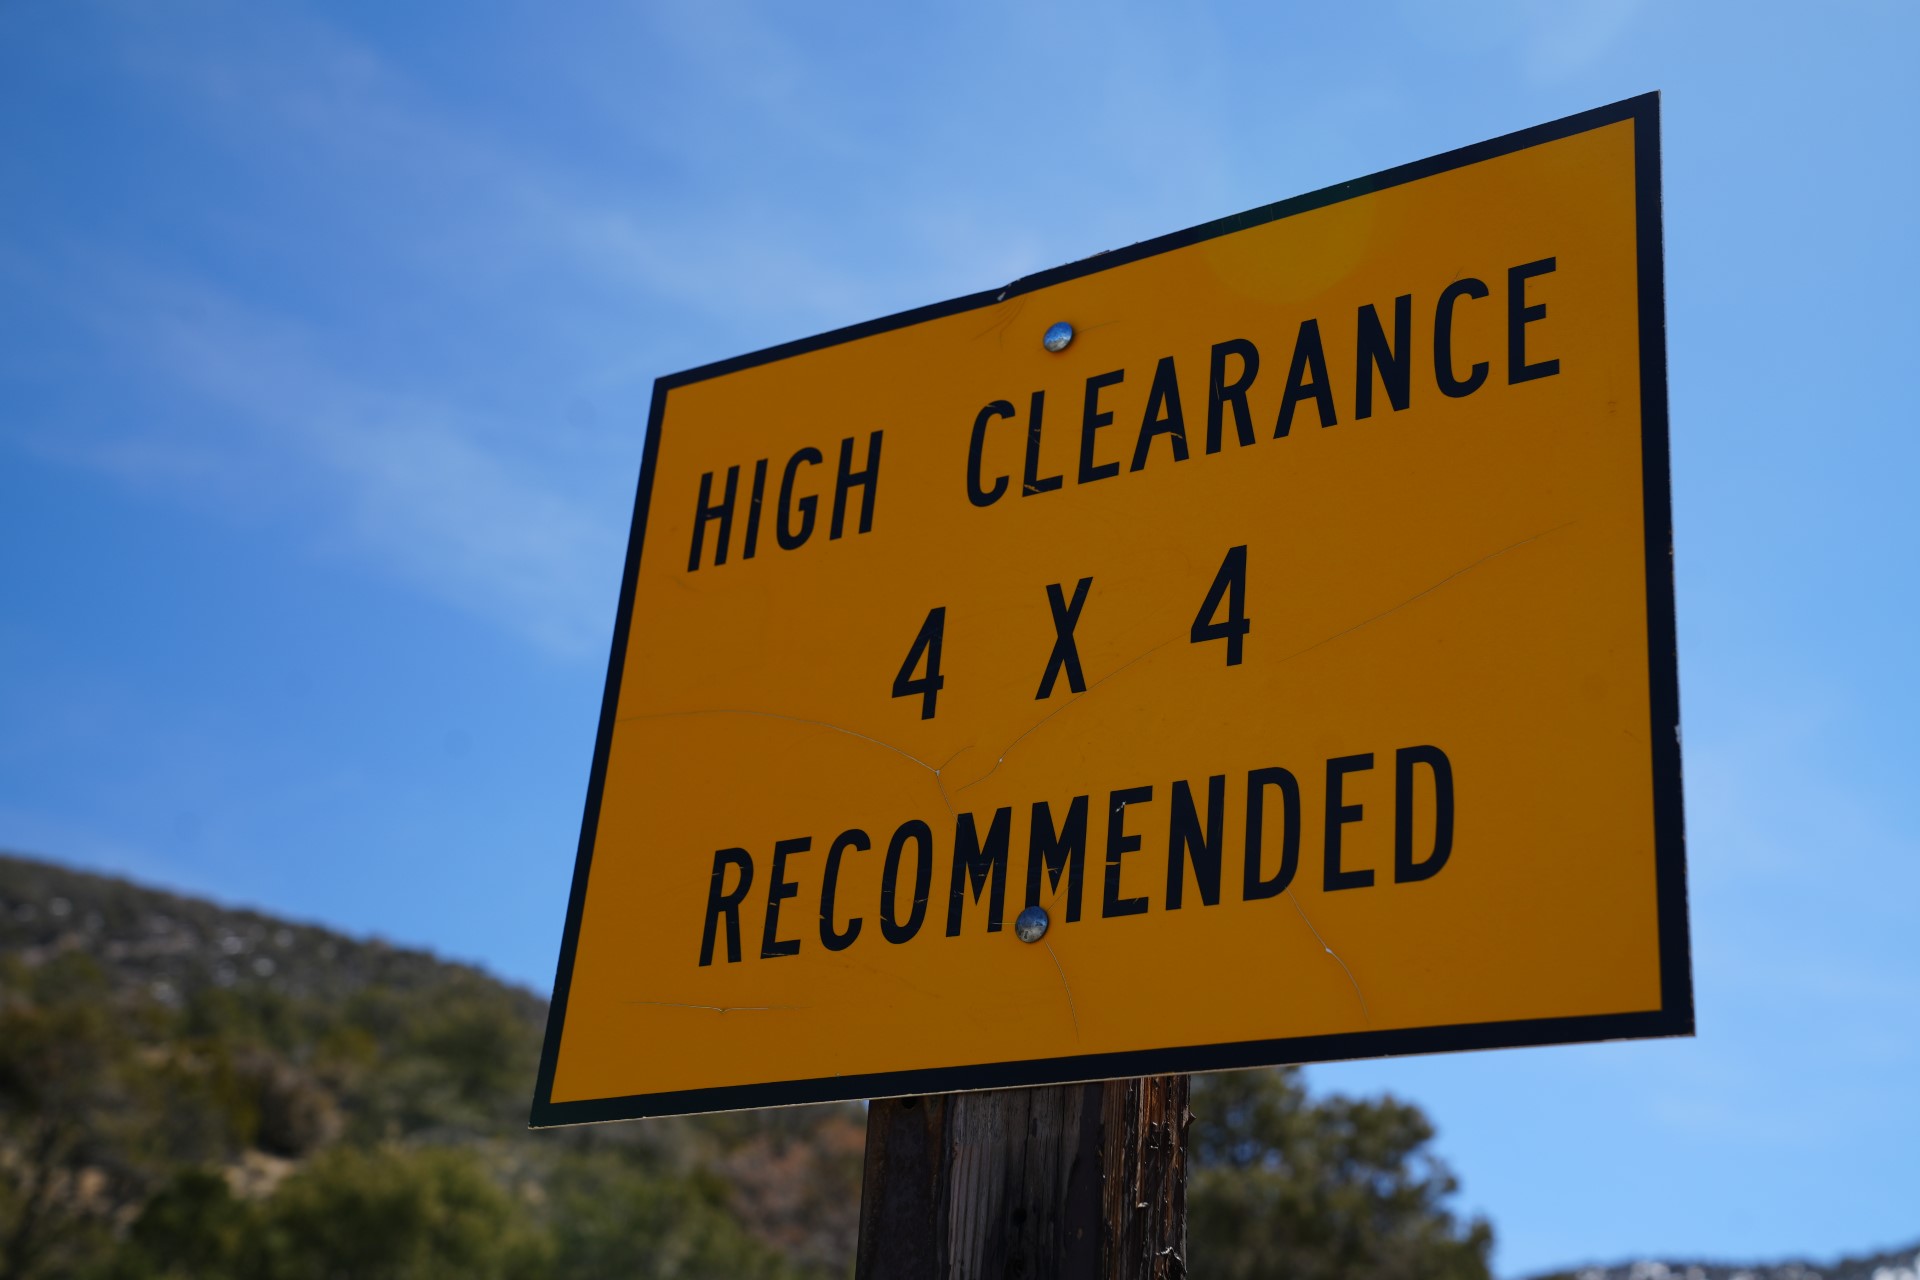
<point x="610" y="1219"/>
<point x="192" y="1229"/>
<point x="73" y="1106"/>
<point x="1281" y="1186"/>
<point x="392" y="1214"/>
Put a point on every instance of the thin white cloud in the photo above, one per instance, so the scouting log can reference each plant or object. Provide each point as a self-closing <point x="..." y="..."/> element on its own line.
<point x="546" y="272"/>
<point x="249" y="411"/>
<point x="460" y="203"/>
<point x="252" y="397"/>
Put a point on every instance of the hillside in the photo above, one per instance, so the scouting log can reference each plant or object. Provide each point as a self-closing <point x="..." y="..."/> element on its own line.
<point x="174" y="947"/>
<point x="1893" y="1264"/>
<point x="189" y="1090"/>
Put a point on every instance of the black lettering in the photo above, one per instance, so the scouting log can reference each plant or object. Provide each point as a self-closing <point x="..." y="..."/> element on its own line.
<point x="932" y="635"/>
<point x="1221" y="394"/>
<point x="1092" y="418"/>
<point x="1339" y="814"/>
<point x="1062" y="851"/>
<point x="1307" y="378"/>
<point x="1443" y="340"/>
<point x="1519" y="316"/>
<point x="1229" y="586"/>
<point x="779" y="889"/>
<point x="721" y="902"/>
<point x="1254" y="887"/>
<point x="831" y="937"/>
<point x="1393" y="359"/>
<point x="1031" y="479"/>
<point x="1066" y="654"/>
<point x="1405" y="869"/>
<point x="975" y="865"/>
<point x="1163" y="416"/>
<point x="922" y="835"/>
<point x="1184" y="840"/>
<point x="705" y="509"/>
<point x="976" y="445"/>
<point x="1119" y="843"/>
<point x="866" y="480"/>
<point x="783" y="531"/>
<point x="753" y="509"/>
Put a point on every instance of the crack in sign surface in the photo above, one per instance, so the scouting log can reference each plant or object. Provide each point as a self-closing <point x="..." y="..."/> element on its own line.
<point x="1011" y="314"/>
<point x="1008" y="749"/>
<point x="1072" y="1010"/>
<point x="717" y="1008"/>
<point x="938" y="774"/>
<point x="937" y="770"/>
<point x="1366" y="1015"/>
<point x="1421" y="595"/>
<point x="1135" y="661"/>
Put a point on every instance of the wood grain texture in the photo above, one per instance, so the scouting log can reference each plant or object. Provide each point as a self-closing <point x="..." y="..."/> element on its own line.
<point x="1068" y="1182"/>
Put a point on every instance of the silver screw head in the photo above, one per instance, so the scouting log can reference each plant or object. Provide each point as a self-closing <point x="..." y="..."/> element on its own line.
<point x="1031" y="925"/>
<point x="1056" y="340"/>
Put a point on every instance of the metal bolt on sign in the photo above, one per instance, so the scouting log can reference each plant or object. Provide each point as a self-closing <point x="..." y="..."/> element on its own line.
<point x="1031" y="926"/>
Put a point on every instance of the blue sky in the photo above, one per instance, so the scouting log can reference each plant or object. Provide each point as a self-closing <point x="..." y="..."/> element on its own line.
<point x="326" y="337"/>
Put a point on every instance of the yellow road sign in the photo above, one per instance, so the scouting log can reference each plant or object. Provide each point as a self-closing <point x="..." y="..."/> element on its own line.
<point x="1298" y="638"/>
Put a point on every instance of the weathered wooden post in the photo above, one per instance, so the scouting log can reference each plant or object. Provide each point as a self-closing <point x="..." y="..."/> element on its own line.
<point x="1063" y="1181"/>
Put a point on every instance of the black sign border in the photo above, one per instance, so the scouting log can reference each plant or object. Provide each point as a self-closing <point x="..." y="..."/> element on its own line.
<point x="1675" y="1015"/>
